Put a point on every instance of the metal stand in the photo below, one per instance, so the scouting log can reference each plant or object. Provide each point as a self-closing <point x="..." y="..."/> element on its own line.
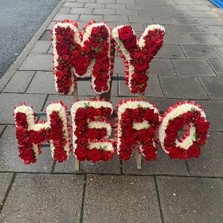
<point x="76" y="161"/>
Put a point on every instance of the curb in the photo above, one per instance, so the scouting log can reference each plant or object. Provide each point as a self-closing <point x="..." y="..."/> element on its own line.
<point x="17" y="63"/>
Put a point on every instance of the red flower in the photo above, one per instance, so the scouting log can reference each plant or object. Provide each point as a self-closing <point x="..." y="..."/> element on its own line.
<point x="59" y="153"/>
<point x="21" y="119"/>
<point x="130" y="43"/>
<point x="194" y="151"/>
<point x="101" y="80"/>
<point x="143" y="135"/>
<point x="94" y="155"/>
<point x="107" y="155"/>
<point x="125" y="33"/>
<point x="125" y="154"/>
<point x="141" y="66"/>
<point x="62" y="49"/>
<point x="27" y="154"/>
<point x="81" y="153"/>
<point x="175" y="153"/>
<point x="150" y="152"/>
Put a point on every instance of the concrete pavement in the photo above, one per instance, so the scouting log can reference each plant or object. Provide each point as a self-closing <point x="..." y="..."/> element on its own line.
<point x="189" y="66"/>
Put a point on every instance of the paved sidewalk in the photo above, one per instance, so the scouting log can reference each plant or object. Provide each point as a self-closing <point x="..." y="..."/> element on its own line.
<point x="190" y="66"/>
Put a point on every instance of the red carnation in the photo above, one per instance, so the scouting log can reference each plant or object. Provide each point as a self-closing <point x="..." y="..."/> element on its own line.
<point x="194" y="151"/>
<point x="81" y="153"/>
<point x="27" y="154"/>
<point x="175" y="153"/>
<point x="62" y="49"/>
<point x="150" y="152"/>
<point x="130" y="43"/>
<point x="107" y="155"/>
<point x="125" y="33"/>
<point x="95" y="155"/>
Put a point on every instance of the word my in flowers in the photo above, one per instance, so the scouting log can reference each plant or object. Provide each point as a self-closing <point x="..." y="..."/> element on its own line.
<point x="91" y="53"/>
<point x="136" y="126"/>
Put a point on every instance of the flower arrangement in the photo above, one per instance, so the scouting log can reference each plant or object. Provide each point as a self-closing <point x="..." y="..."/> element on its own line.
<point x="89" y="53"/>
<point x="91" y="130"/>
<point x="138" y="122"/>
<point x="137" y="54"/>
<point x="79" y="54"/>
<point x="192" y="117"/>
<point x="31" y="134"/>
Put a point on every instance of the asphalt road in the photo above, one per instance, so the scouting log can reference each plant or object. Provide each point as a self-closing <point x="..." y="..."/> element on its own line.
<point x="19" y="21"/>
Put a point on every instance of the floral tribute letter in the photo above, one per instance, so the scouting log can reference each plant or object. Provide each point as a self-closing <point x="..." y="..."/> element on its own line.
<point x="91" y="130"/>
<point x="30" y="134"/>
<point x="82" y="54"/>
<point x="138" y="122"/>
<point x="183" y="115"/>
<point x="137" y="54"/>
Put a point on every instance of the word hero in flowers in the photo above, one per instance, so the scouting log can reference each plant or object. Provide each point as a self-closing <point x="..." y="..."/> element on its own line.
<point x="138" y="125"/>
<point x="91" y="53"/>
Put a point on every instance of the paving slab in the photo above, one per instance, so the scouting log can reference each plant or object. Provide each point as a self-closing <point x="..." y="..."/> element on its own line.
<point x="162" y="67"/>
<point x="182" y="87"/>
<point x="62" y="16"/>
<point x="89" y="17"/>
<point x="1" y="129"/>
<point x="95" y="5"/>
<point x="219" y="49"/>
<point x="195" y="7"/>
<point x="140" y="19"/>
<point x="211" y="29"/>
<point x="109" y="167"/>
<point x="203" y="51"/>
<point x="188" y="20"/>
<point x="171" y="12"/>
<point x="42" y="83"/>
<point x="150" y="11"/>
<point x="164" y="20"/>
<point x="124" y="2"/>
<point x="9" y="101"/>
<point x="120" y="199"/>
<point x="4" y="184"/>
<point x="64" y="10"/>
<point x="44" y="198"/>
<point x="117" y="18"/>
<point x="19" y="81"/>
<point x="191" y="199"/>
<point x="79" y="11"/>
<point x="206" y="39"/>
<point x="170" y="52"/>
<point x="213" y="86"/>
<point x="41" y="46"/>
<point x="73" y="4"/>
<point x="192" y="67"/>
<point x="40" y="62"/>
<point x="182" y="29"/>
<point x="46" y="36"/>
<point x="104" y="11"/>
<point x="153" y="89"/>
<point x="119" y="67"/>
<point x="177" y="39"/>
<point x="106" y="1"/>
<point x="163" y="165"/>
<point x="212" y="21"/>
<point x="10" y="161"/>
<point x="121" y="11"/>
<point x="199" y="14"/>
<point x="217" y="65"/>
<point x="210" y="161"/>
